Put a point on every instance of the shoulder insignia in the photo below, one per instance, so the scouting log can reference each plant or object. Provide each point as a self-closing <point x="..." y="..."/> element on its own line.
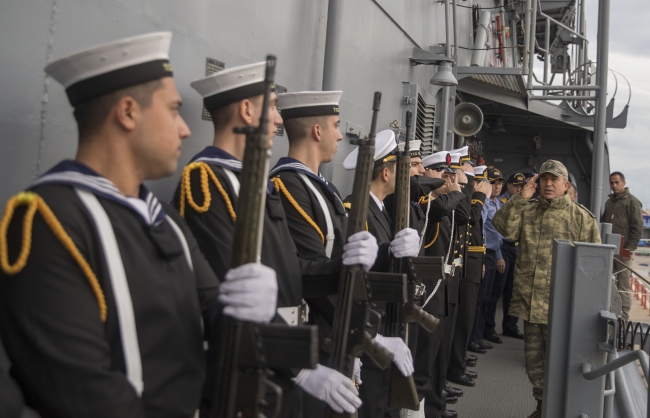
<point x="347" y="205"/>
<point x="583" y="207"/>
<point x="504" y="199"/>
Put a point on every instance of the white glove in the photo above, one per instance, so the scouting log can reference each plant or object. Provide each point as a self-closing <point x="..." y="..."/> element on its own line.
<point x="331" y="387"/>
<point x="361" y="249"/>
<point x="250" y="293"/>
<point x="406" y="243"/>
<point x="401" y="353"/>
<point x="357" y="370"/>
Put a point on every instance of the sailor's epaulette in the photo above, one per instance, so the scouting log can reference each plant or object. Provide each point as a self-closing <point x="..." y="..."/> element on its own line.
<point x="585" y="209"/>
<point x="504" y="199"/>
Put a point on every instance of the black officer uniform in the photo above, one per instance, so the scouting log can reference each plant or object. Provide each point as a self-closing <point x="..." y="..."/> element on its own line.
<point x="431" y="353"/>
<point x="471" y="279"/>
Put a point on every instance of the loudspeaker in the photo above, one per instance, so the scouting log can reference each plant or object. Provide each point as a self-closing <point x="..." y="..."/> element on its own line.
<point x="468" y="119"/>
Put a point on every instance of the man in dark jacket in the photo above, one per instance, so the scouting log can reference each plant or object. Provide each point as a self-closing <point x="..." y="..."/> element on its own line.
<point x="625" y="213"/>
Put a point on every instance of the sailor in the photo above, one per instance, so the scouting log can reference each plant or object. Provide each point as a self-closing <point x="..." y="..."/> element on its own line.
<point x="432" y="352"/>
<point x="405" y="243"/>
<point x="103" y="290"/>
<point x="493" y="262"/>
<point x="503" y="281"/>
<point x="207" y="197"/>
<point x="315" y="214"/>
<point x="476" y="192"/>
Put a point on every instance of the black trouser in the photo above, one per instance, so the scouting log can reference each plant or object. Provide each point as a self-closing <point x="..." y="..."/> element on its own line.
<point x="373" y="390"/>
<point x="427" y="371"/>
<point x="484" y="292"/>
<point x="435" y="402"/>
<point x="464" y="323"/>
<point x="509" y="252"/>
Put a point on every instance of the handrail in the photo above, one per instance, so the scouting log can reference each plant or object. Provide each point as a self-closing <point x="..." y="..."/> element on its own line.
<point x="591" y="374"/>
<point x="559" y="24"/>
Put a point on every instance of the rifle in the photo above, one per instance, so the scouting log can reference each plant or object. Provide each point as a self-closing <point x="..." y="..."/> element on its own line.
<point x="246" y="349"/>
<point x="402" y="392"/>
<point x="351" y="318"/>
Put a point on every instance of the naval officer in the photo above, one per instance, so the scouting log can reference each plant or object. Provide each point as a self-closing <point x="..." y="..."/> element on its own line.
<point x="432" y="353"/>
<point x="405" y="243"/>
<point x="103" y="288"/>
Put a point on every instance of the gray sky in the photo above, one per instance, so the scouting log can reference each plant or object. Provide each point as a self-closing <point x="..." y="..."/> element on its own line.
<point x="628" y="54"/>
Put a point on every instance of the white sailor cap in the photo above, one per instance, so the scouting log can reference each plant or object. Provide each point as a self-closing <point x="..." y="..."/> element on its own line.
<point x="102" y="69"/>
<point x="231" y="85"/>
<point x="455" y="161"/>
<point x="385" y="147"/>
<point x="438" y="160"/>
<point x="304" y="104"/>
<point x="480" y="173"/>
<point x="464" y="153"/>
<point x="414" y="147"/>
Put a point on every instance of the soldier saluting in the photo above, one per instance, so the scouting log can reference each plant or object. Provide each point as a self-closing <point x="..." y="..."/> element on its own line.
<point x="535" y="223"/>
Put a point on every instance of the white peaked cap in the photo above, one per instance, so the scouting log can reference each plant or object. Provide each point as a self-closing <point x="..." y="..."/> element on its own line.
<point x="231" y="85"/>
<point x="414" y="145"/>
<point x="455" y="158"/>
<point x="464" y="151"/>
<point x="437" y="159"/>
<point x="303" y="104"/>
<point x="384" y="146"/>
<point x="102" y="69"/>
<point x="479" y="169"/>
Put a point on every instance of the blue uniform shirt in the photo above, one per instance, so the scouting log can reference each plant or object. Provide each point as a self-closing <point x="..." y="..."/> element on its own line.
<point x="493" y="239"/>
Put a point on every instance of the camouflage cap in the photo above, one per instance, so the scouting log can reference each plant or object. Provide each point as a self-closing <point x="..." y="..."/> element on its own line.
<point x="554" y="167"/>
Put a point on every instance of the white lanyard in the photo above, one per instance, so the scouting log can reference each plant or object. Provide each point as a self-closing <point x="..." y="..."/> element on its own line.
<point x="326" y="212"/>
<point x="120" y="286"/>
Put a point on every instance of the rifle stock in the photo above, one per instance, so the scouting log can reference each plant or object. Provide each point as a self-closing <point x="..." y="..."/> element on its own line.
<point x="349" y="331"/>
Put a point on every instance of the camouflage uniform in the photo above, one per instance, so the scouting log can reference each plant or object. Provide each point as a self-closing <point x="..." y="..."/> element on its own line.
<point x="535" y="223"/>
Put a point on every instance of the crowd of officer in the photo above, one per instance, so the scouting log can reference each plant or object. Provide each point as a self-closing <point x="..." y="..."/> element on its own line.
<point x="110" y="300"/>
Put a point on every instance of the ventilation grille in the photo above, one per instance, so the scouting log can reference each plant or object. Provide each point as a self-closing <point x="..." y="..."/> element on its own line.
<point x="424" y="127"/>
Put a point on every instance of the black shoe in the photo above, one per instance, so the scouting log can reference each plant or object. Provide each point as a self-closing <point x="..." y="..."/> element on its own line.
<point x="451" y="399"/>
<point x="463" y="380"/>
<point x="470" y="363"/>
<point x="454" y="391"/>
<point x="471" y="374"/>
<point x="484" y="344"/>
<point x="494" y="338"/>
<point x="448" y="414"/>
<point x="470" y="357"/>
<point x="514" y="333"/>
<point x="475" y="348"/>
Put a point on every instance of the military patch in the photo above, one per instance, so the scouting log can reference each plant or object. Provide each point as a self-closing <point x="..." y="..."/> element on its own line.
<point x="504" y="199"/>
<point x="347" y="205"/>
